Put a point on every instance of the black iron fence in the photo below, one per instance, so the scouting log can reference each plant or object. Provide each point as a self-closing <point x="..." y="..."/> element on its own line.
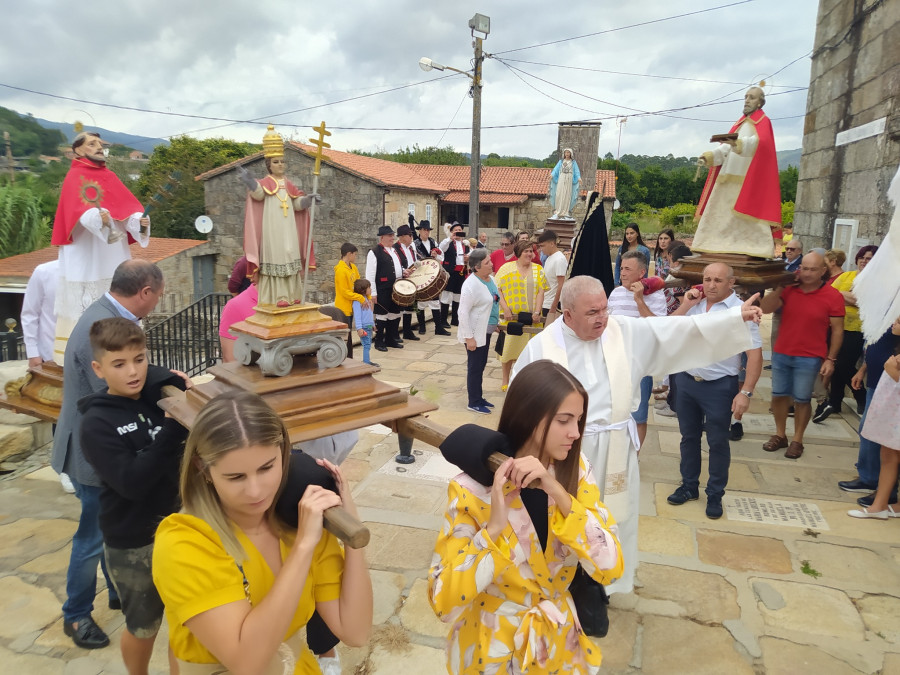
<point x="189" y="340"/>
<point x="12" y="346"/>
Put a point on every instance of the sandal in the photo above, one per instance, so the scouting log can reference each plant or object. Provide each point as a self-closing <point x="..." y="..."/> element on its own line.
<point x="776" y="442"/>
<point x="794" y="450"/>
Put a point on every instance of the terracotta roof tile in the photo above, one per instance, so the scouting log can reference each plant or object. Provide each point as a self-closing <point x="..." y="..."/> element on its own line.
<point x="460" y="197"/>
<point x="159" y="249"/>
<point x="506" y="180"/>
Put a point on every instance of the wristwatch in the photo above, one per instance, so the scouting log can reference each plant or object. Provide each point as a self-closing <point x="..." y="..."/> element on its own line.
<point x="748" y="394"/>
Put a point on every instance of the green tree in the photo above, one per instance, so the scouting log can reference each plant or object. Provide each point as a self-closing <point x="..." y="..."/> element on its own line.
<point x="656" y="183"/>
<point x="788" y="180"/>
<point x="190" y="156"/>
<point x="628" y="191"/>
<point x="27" y="137"/>
<point x="787" y="212"/>
<point x="23" y="227"/>
<point x="417" y="155"/>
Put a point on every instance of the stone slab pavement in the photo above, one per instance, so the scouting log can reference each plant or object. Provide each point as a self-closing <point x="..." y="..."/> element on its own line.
<point x="810" y="592"/>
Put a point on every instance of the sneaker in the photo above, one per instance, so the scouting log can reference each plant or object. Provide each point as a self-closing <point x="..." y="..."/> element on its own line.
<point x="683" y="494"/>
<point x="88" y="635"/>
<point x="66" y="483"/>
<point x="737" y="431"/>
<point x="714" y="507"/>
<point x="868" y="500"/>
<point x="856" y="485"/>
<point x="660" y="405"/>
<point x="486" y="403"/>
<point x="481" y="409"/>
<point x="666" y="411"/>
<point x="823" y="414"/>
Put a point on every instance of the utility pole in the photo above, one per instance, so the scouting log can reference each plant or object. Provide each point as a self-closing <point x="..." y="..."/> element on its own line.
<point x="9" y="158"/>
<point x="475" y="180"/>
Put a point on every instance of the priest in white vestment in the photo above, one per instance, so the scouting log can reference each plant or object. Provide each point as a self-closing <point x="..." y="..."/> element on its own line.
<point x="609" y="356"/>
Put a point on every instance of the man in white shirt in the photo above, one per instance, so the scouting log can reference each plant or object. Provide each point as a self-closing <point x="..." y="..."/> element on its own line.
<point x="555" y="267"/>
<point x="706" y="397"/>
<point x="39" y="313"/>
<point x="633" y="298"/>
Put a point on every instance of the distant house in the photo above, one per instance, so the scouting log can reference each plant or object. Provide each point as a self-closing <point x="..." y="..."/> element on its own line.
<point x="188" y="266"/>
<point x="136" y="154"/>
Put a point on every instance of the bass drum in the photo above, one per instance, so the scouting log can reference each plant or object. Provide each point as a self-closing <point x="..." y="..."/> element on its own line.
<point x="430" y="279"/>
<point x="404" y="292"/>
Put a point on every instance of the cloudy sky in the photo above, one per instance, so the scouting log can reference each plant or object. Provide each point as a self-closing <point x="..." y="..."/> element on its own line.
<point x="297" y="63"/>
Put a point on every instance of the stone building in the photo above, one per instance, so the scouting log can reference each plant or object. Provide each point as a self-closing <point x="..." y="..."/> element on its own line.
<point x="358" y="195"/>
<point x="852" y="126"/>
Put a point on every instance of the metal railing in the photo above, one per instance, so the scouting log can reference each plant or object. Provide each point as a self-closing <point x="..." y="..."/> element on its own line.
<point x="189" y="340"/>
<point x="12" y="346"/>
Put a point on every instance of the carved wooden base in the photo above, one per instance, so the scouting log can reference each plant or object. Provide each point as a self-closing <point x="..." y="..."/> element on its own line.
<point x="41" y="394"/>
<point x="274" y="335"/>
<point x="751" y="274"/>
<point x="565" y="229"/>
<point x="313" y="403"/>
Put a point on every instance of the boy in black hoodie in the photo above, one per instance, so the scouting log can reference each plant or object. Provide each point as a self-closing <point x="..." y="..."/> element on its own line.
<point x="136" y="451"/>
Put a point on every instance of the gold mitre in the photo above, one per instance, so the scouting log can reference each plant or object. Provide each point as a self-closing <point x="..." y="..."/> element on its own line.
<point x="273" y="143"/>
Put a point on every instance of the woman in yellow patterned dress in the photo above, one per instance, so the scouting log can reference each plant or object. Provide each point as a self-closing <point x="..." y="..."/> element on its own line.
<point x="507" y="552"/>
<point x="523" y="285"/>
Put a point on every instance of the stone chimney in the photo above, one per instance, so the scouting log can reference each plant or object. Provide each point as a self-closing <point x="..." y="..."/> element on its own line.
<point x="584" y="139"/>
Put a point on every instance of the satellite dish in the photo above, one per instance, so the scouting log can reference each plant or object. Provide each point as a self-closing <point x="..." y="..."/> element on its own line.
<point x="616" y="206"/>
<point x="203" y="224"/>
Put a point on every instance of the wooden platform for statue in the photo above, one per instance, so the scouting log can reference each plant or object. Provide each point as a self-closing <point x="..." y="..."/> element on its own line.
<point x="313" y="403"/>
<point x="751" y="274"/>
<point x="565" y="228"/>
<point x="40" y="397"/>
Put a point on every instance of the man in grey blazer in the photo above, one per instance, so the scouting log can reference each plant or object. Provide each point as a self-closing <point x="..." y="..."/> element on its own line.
<point x="135" y="289"/>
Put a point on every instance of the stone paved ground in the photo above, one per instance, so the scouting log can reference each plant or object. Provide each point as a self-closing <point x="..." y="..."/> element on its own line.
<point x="746" y="597"/>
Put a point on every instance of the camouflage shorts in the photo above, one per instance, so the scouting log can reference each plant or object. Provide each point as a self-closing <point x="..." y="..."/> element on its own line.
<point x="129" y="569"/>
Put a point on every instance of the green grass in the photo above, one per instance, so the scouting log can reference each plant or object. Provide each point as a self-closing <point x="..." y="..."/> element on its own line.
<point x="807" y="569"/>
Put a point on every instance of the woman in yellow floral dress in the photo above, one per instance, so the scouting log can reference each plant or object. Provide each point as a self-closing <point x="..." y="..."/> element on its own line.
<point x="507" y="552"/>
<point x="523" y="285"/>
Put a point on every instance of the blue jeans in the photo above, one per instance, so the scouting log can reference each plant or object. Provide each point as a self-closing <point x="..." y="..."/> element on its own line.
<point x="87" y="551"/>
<point x="868" y="462"/>
<point x="794" y="376"/>
<point x="366" y="341"/>
<point x="709" y="403"/>
<point x="640" y="415"/>
<point x="475" y="363"/>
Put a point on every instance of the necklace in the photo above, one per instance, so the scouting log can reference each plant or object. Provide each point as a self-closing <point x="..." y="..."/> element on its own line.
<point x="279" y="185"/>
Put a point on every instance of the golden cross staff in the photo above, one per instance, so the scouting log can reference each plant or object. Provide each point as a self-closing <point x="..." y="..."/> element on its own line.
<point x="320" y="145"/>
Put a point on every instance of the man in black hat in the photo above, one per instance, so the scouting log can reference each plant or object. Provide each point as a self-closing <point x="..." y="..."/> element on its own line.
<point x="383" y="268"/>
<point x="427" y="247"/>
<point x="407" y="253"/>
<point x="456" y="255"/>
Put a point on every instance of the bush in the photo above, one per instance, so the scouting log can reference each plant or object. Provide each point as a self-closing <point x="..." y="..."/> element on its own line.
<point x="670" y="216"/>
<point x="787" y="212"/>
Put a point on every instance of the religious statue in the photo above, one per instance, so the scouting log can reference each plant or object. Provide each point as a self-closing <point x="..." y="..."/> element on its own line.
<point x="565" y="181"/>
<point x="740" y="206"/>
<point x="276" y="228"/>
<point x="96" y="218"/>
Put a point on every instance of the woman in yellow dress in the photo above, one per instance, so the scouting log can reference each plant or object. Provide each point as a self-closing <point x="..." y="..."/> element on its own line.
<point x="523" y="285"/>
<point x="238" y="584"/>
<point x="507" y="552"/>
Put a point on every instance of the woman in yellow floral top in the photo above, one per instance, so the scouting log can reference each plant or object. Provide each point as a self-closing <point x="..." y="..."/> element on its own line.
<point x="522" y="284"/>
<point x="507" y="552"/>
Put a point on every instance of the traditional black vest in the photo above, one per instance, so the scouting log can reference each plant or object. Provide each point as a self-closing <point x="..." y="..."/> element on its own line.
<point x="405" y="260"/>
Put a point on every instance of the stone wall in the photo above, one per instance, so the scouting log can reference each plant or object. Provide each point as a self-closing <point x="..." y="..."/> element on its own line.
<point x="178" y="271"/>
<point x="352" y="210"/>
<point x="854" y="81"/>
<point x="396" y="207"/>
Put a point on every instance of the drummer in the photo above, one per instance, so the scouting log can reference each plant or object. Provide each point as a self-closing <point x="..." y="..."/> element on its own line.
<point x="407" y="253"/>
<point x="427" y="247"/>
<point x="456" y="256"/>
<point x="383" y="268"/>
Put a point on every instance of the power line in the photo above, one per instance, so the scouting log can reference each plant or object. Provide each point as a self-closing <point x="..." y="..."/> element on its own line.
<point x="659" y="77"/>
<point x="633" y="25"/>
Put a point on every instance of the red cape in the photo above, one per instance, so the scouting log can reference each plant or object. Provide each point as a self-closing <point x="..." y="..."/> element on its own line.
<point x="253" y="224"/>
<point x="85" y="181"/>
<point x="760" y="195"/>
